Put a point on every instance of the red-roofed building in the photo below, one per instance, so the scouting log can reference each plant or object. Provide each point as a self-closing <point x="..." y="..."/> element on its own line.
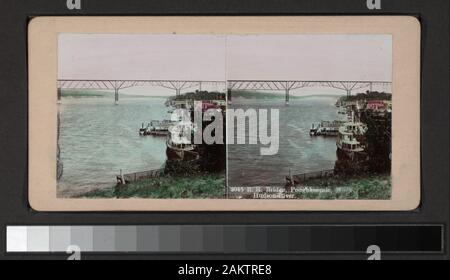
<point x="376" y="105"/>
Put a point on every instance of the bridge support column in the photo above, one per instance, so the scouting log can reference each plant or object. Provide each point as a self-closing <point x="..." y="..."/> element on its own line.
<point x="229" y="96"/>
<point x="371" y="87"/>
<point x="59" y="94"/>
<point x="178" y="92"/>
<point x="349" y="93"/>
<point x="287" y="96"/>
<point x="116" y="95"/>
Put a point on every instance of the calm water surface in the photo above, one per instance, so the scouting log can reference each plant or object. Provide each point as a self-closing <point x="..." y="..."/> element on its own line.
<point x="99" y="138"/>
<point x="298" y="151"/>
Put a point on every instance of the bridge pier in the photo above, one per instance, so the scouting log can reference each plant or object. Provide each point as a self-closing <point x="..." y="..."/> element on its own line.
<point x="178" y="92"/>
<point x="59" y="94"/>
<point x="229" y="97"/>
<point x="116" y="95"/>
<point x="287" y="97"/>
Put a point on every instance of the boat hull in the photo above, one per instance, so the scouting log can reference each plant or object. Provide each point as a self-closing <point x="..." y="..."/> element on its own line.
<point x="350" y="155"/>
<point x="351" y="162"/>
<point x="180" y="154"/>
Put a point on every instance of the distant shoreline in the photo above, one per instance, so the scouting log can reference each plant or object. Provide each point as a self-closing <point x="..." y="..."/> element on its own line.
<point x="273" y="95"/>
<point x="235" y="95"/>
<point x="96" y="94"/>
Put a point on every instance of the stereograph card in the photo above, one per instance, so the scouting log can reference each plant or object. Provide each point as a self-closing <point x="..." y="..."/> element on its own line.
<point x="290" y="113"/>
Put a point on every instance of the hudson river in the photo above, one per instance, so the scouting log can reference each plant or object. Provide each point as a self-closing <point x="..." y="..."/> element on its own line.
<point x="98" y="139"/>
<point x="298" y="151"/>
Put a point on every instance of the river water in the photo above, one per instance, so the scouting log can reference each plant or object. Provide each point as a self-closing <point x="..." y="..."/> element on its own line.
<point x="298" y="151"/>
<point x="99" y="138"/>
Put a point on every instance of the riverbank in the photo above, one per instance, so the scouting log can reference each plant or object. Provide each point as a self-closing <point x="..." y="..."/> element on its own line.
<point x="211" y="186"/>
<point x="368" y="187"/>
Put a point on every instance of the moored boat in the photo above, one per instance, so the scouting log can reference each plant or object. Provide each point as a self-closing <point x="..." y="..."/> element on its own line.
<point x="179" y="144"/>
<point x="325" y="128"/>
<point x="350" y="141"/>
<point x="342" y="110"/>
<point x="156" y="128"/>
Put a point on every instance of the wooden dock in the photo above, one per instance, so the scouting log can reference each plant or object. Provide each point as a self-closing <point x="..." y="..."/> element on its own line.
<point x="124" y="179"/>
<point x="301" y="178"/>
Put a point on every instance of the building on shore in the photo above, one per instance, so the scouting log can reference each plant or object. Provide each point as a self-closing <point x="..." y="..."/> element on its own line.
<point x="364" y="143"/>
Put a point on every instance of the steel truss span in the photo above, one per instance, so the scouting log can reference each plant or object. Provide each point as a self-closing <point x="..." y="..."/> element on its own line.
<point x="117" y="85"/>
<point x="179" y="85"/>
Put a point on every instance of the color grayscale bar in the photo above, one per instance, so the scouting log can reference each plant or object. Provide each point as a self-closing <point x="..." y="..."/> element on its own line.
<point x="227" y="239"/>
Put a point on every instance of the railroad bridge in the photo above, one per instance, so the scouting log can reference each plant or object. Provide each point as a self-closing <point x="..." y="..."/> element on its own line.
<point x="229" y="86"/>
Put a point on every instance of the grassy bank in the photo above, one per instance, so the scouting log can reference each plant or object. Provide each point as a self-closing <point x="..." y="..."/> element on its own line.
<point x="373" y="187"/>
<point x="212" y="186"/>
<point x="198" y="187"/>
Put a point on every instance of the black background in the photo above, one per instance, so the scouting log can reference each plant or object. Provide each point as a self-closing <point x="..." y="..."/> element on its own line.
<point x="14" y="209"/>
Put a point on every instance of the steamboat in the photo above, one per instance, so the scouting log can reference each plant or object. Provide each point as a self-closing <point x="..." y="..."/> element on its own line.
<point x="179" y="144"/>
<point x="350" y="141"/>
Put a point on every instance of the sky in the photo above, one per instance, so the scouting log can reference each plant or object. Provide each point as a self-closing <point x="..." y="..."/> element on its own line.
<point x="141" y="57"/>
<point x="310" y="57"/>
<point x="222" y="57"/>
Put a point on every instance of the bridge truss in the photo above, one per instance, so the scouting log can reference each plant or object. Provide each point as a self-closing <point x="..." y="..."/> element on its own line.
<point x="232" y="85"/>
<point x="288" y="86"/>
<point x="117" y="85"/>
